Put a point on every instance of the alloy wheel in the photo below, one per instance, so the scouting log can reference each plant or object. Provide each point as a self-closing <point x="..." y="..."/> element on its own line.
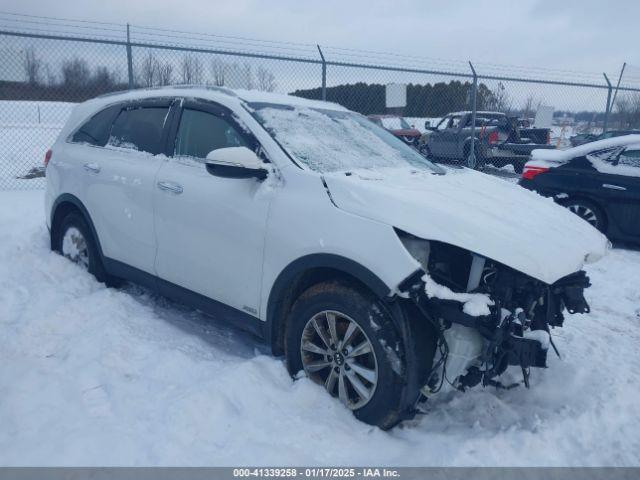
<point x="337" y="354"/>
<point x="585" y="213"/>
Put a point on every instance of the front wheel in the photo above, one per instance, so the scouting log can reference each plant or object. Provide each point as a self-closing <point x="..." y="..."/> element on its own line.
<point x="339" y="337"/>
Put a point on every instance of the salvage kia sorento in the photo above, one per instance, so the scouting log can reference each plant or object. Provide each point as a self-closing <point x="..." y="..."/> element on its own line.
<point x="380" y="276"/>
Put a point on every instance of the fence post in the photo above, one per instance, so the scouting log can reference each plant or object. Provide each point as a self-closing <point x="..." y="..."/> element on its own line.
<point x="608" y="109"/>
<point x="129" y="59"/>
<point x="471" y="160"/>
<point x="324" y="74"/>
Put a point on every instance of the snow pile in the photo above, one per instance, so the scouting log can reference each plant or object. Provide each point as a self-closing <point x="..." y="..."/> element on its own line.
<point x="98" y="376"/>
<point x="474" y="304"/>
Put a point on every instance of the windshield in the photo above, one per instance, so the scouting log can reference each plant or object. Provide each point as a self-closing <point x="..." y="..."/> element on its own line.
<point x="333" y="141"/>
<point x="395" y="123"/>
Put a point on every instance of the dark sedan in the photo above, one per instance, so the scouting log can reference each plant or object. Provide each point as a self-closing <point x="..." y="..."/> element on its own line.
<point x="583" y="138"/>
<point x="598" y="181"/>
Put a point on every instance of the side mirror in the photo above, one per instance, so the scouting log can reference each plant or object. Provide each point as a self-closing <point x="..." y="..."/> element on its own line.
<point x="427" y="125"/>
<point x="235" y="162"/>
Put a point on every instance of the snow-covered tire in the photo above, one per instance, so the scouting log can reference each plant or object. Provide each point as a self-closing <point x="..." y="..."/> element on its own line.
<point x="347" y="305"/>
<point x="74" y="227"/>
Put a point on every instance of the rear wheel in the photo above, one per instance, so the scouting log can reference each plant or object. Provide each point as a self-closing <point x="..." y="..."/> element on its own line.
<point x="588" y="211"/>
<point x="335" y="336"/>
<point x="73" y="239"/>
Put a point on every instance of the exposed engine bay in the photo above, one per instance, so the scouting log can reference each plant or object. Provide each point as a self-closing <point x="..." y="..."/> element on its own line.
<point x="474" y="346"/>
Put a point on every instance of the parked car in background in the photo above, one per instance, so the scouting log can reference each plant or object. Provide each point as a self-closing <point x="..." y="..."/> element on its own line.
<point x="498" y="140"/>
<point x="598" y="181"/>
<point x="582" y="138"/>
<point x="398" y="126"/>
<point x="382" y="277"/>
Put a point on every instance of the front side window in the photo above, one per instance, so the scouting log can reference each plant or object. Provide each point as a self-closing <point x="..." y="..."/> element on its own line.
<point x="140" y="128"/>
<point x="201" y="132"/>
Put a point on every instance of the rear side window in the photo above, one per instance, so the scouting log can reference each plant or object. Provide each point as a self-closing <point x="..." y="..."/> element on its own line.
<point x="201" y="132"/>
<point x="97" y="129"/>
<point x="139" y="128"/>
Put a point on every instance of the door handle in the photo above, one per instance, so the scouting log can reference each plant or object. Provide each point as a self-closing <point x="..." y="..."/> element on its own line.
<point x="92" y="167"/>
<point x="613" y="187"/>
<point x="170" y="187"/>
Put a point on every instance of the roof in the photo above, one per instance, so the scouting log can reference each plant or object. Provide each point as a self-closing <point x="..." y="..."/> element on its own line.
<point x="214" y="93"/>
<point x="469" y="112"/>
<point x="584" y="149"/>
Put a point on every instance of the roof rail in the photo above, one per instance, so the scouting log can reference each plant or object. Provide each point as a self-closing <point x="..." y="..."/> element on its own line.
<point x="169" y="87"/>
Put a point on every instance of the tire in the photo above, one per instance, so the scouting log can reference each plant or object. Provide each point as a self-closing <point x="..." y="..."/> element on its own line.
<point x="347" y="305"/>
<point x="518" y="167"/>
<point x="75" y="241"/>
<point x="588" y="211"/>
<point x="425" y="151"/>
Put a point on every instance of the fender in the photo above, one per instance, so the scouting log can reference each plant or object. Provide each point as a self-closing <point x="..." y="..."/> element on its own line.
<point x="76" y="202"/>
<point x="304" y="264"/>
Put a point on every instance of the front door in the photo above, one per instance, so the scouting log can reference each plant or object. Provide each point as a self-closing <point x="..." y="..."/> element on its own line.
<point x="210" y="230"/>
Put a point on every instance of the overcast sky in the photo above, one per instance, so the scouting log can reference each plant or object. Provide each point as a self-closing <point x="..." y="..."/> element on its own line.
<point x="581" y="35"/>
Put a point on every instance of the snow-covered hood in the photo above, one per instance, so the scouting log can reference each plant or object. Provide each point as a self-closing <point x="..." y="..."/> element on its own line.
<point x="477" y="212"/>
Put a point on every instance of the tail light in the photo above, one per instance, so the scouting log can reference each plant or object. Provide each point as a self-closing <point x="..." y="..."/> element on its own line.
<point x="493" y="138"/>
<point x="530" y="171"/>
<point x="47" y="157"/>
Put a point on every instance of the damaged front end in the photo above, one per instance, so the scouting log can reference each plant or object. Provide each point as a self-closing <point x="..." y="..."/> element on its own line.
<point x="486" y="315"/>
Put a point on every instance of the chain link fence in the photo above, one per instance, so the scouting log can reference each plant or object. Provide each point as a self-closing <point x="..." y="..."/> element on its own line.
<point x="51" y="64"/>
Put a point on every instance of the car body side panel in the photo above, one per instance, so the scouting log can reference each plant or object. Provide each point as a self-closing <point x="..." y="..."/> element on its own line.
<point x="295" y="230"/>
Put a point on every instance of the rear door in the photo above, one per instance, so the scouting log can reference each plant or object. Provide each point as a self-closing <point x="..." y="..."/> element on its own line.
<point x="210" y="230"/>
<point x="621" y="182"/>
<point x="120" y="181"/>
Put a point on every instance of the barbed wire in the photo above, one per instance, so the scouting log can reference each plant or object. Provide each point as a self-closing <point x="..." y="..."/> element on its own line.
<point x="35" y="24"/>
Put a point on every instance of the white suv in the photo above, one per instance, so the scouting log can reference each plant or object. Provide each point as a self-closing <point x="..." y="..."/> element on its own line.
<point x="383" y="277"/>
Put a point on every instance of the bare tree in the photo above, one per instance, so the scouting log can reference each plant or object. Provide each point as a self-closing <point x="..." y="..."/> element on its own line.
<point x="265" y="80"/>
<point x="150" y="70"/>
<point x="530" y="106"/>
<point x="75" y="73"/>
<point x="165" y="74"/>
<point x="104" y="80"/>
<point x="32" y="66"/>
<point x="628" y="110"/>
<point x="499" y="99"/>
<point x="191" y="70"/>
<point x="219" y="70"/>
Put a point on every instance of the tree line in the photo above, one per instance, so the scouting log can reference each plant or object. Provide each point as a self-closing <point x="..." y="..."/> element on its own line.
<point x="423" y="100"/>
<point x="75" y="80"/>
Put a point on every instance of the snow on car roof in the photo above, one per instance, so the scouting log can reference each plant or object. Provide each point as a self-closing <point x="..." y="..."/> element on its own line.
<point x="584" y="149"/>
<point x="466" y="112"/>
<point x="215" y="93"/>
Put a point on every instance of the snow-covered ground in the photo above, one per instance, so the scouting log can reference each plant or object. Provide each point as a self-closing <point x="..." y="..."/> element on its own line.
<point x="97" y="376"/>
